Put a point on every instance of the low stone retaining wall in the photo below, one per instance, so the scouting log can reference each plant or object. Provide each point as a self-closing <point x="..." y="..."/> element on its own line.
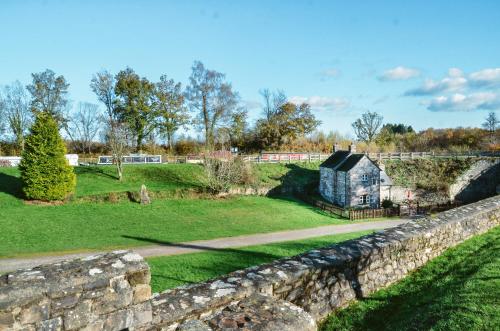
<point x="304" y="288"/>
<point x="101" y="292"/>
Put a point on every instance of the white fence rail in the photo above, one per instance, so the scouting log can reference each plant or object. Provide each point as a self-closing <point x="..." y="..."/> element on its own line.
<point x="296" y="157"/>
<point x="15" y="160"/>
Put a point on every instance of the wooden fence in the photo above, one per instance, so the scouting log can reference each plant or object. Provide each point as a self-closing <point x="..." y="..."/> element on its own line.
<point x="351" y="214"/>
<point x="358" y="214"/>
<point x="315" y="157"/>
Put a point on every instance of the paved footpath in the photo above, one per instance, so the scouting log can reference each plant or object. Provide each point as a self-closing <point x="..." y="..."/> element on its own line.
<point x="211" y="245"/>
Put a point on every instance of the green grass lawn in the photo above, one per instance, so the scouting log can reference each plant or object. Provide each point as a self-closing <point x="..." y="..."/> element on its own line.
<point x="92" y="226"/>
<point x="99" y="180"/>
<point x="460" y="290"/>
<point x="172" y="271"/>
<point x="83" y="225"/>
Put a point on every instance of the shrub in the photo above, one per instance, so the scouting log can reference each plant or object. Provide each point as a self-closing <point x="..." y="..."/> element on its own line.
<point x="45" y="172"/>
<point x="222" y="174"/>
<point x="387" y="203"/>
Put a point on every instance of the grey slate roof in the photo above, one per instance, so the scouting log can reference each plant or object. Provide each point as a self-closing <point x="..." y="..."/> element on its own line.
<point x="343" y="161"/>
<point x="350" y="162"/>
<point x="335" y="159"/>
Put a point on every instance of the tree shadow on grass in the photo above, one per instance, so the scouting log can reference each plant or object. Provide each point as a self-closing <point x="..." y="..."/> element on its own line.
<point x="192" y="246"/>
<point x="93" y="170"/>
<point x="11" y="185"/>
<point x="440" y="292"/>
<point x="227" y="260"/>
<point x="296" y="179"/>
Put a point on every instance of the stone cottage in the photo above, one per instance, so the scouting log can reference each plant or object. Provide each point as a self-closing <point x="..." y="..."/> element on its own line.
<point x="350" y="179"/>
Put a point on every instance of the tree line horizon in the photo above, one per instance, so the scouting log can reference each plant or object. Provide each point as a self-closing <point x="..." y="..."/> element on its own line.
<point x="138" y="113"/>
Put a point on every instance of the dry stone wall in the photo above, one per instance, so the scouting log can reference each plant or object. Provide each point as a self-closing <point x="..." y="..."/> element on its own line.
<point x="111" y="292"/>
<point x="101" y="292"/>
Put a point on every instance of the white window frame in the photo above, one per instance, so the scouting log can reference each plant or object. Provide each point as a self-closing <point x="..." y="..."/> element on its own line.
<point x="365" y="199"/>
<point x="364" y="177"/>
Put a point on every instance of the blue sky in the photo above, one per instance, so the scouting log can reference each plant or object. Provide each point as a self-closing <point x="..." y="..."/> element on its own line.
<point x="423" y="63"/>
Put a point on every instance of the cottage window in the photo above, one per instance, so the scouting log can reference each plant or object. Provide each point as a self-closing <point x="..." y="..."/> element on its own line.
<point x="364" y="178"/>
<point x="374" y="181"/>
<point x="364" y="199"/>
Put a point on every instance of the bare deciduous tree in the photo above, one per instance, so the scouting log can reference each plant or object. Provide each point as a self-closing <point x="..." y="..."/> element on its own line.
<point x="213" y="98"/>
<point x="491" y="125"/>
<point x="118" y="137"/>
<point x="84" y="125"/>
<point x="367" y="127"/>
<point x="16" y="111"/>
<point x="49" y="94"/>
<point x="273" y="101"/>
<point x="103" y="85"/>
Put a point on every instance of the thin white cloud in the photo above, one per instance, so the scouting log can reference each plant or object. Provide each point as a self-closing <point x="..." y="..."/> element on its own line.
<point x="461" y="102"/>
<point x="485" y="78"/>
<point x="330" y="72"/>
<point x="322" y="103"/>
<point x="455" y="81"/>
<point x="399" y="73"/>
<point x="380" y="100"/>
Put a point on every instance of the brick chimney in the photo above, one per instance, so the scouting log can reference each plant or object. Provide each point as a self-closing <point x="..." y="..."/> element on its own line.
<point x="352" y="148"/>
<point x="336" y="147"/>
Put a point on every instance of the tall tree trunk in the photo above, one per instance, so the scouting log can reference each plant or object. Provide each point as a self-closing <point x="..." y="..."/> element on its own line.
<point x="206" y="123"/>
<point x="119" y="170"/>
<point x="169" y="138"/>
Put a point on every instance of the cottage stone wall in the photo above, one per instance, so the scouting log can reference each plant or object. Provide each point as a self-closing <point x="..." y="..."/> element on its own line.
<point x="109" y="292"/>
<point x="326" y="187"/>
<point x="341" y="186"/>
<point x="359" y="188"/>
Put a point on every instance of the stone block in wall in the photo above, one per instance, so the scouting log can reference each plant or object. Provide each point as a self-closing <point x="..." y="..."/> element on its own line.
<point x="77" y="294"/>
<point x="257" y="312"/>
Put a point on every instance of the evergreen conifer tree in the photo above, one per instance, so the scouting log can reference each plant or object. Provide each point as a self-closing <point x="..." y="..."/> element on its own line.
<point x="45" y="172"/>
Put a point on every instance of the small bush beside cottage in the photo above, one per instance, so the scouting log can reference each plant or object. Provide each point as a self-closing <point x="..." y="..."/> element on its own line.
<point x="45" y="172"/>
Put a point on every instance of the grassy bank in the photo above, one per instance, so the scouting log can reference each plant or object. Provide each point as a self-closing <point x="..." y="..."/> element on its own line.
<point x="460" y="290"/>
<point x="428" y="174"/>
<point x="172" y="271"/>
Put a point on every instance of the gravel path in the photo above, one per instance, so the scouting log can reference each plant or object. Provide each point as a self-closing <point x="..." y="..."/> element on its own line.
<point x="165" y="249"/>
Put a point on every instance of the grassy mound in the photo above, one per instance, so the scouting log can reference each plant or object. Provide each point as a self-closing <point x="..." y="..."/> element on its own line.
<point x="428" y="174"/>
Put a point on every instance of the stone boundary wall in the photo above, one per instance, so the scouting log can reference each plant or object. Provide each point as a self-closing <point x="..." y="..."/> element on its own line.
<point x="100" y="292"/>
<point x="111" y="292"/>
<point x="477" y="182"/>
